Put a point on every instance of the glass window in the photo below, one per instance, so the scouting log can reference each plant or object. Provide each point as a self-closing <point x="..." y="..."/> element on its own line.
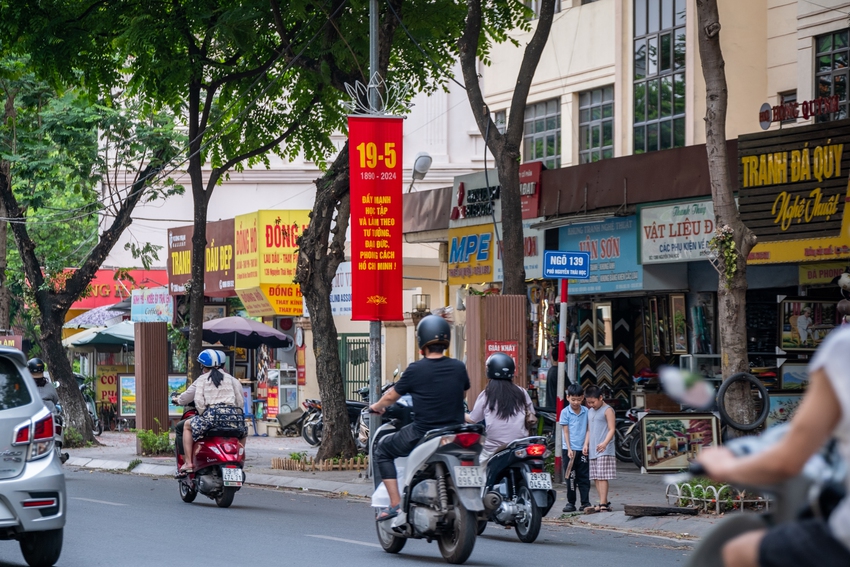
<point x="542" y="138"/>
<point x="500" y="118"/>
<point x="659" y="78"/>
<point x="534" y="6"/>
<point x="13" y="390"/>
<point x="831" y="71"/>
<point x="596" y="124"/>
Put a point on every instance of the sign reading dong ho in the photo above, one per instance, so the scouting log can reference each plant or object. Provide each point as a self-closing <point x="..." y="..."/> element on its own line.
<point x="266" y="256"/>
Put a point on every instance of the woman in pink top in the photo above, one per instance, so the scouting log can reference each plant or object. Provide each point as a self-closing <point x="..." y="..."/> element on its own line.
<point x="502" y="405"/>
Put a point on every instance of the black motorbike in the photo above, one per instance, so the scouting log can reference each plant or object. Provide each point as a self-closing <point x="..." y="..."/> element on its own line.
<point x="402" y="411"/>
<point x="515" y="476"/>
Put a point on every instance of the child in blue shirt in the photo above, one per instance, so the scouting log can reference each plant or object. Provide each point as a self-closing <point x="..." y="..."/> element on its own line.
<point x="573" y="419"/>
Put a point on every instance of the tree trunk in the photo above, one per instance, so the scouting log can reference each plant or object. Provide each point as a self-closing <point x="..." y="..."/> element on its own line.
<point x="59" y="367"/>
<point x="200" y="201"/>
<point x="731" y="290"/>
<point x="513" y="249"/>
<point x="318" y="259"/>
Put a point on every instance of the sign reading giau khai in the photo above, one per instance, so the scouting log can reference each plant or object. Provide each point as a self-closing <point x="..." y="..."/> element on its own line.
<point x="792" y="192"/>
<point x="376" y="217"/>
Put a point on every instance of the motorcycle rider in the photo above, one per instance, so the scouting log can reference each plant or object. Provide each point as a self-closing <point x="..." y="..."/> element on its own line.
<point x="824" y="413"/>
<point x="502" y="405"/>
<point x="218" y="399"/>
<point x="437" y="384"/>
<point x="45" y="389"/>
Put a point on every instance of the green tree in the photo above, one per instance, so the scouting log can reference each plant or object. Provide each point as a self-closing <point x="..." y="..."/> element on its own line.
<point x="55" y="154"/>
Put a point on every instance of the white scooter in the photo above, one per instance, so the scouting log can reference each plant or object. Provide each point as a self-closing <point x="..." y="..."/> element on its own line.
<point x="440" y="483"/>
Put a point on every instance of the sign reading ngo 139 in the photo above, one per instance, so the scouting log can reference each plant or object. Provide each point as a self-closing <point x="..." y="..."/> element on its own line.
<point x="376" y="223"/>
<point x="566" y="265"/>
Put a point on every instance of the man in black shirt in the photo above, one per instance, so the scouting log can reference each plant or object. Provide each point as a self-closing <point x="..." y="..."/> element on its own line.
<point x="437" y="385"/>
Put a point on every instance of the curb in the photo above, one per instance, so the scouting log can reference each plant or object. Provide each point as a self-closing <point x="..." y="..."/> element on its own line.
<point x="264" y="480"/>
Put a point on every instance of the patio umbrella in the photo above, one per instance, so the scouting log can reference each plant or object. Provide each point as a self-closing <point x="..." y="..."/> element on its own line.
<point x="119" y="334"/>
<point x="243" y="333"/>
<point x="97" y="317"/>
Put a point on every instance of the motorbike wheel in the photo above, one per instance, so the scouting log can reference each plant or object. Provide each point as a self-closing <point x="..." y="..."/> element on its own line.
<point x="317" y="432"/>
<point x="308" y="433"/>
<point x="528" y="530"/>
<point x="225" y="499"/>
<point x="636" y="451"/>
<point x="456" y="546"/>
<point x="98" y="429"/>
<point x="482" y="525"/>
<point x="622" y="443"/>
<point x="187" y="494"/>
<point x="389" y="542"/>
<point x="42" y="548"/>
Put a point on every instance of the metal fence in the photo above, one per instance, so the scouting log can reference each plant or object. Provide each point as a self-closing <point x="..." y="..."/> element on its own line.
<point x="354" y="362"/>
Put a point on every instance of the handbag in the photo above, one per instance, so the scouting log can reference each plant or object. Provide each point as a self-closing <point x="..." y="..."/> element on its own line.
<point x="530" y="419"/>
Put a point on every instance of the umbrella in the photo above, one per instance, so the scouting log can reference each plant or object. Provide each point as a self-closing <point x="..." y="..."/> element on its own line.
<point x="97" y="317"/>
<point x="243" y="333"/>
<point x="119" y="334"/>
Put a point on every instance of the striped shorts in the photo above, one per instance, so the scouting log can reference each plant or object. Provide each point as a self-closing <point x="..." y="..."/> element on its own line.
<point x="603" y="467"/>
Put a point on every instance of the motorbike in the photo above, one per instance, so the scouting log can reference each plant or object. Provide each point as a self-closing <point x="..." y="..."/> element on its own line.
<point x="515" y="477"/>
<point x="440" y="486"/>
<point x="312" y="415"/>
<point x="218" y="462"/>
<point x="96" y="424"/>
<point x="402" y="411"/>
<point x="59" y="433"/>
<point x="815" y="492"/>
<point x="312" y="431"/>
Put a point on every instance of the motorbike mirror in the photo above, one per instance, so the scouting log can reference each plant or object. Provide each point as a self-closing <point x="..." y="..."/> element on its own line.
<point x="687" y="388"/>
<point x="56" y="384"/>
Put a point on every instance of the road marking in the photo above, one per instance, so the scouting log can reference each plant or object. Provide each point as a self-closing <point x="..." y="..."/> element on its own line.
<point x="345" y="540"/>
<point x="98" y="501"/>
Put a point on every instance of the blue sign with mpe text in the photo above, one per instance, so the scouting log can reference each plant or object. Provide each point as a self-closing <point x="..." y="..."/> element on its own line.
<point x="566" y="265"/>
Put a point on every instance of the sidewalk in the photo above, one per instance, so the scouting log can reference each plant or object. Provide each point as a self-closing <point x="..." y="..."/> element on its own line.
<point x="118" y="450"/>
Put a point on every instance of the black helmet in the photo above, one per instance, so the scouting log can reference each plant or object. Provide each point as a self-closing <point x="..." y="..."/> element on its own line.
<point x="433" y="330"/>
<point x="500" y="366"/>
<point x="36" y="366"/>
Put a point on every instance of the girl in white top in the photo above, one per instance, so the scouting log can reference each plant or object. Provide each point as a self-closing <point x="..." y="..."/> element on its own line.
<point x="824" y="413"/>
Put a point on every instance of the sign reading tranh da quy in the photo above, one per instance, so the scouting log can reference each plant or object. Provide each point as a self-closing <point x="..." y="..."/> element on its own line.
<point x="792" y="192"/>
<point x="375" y="160"/>
<point x="219" y="278"/>
<point x="265" y="260"/>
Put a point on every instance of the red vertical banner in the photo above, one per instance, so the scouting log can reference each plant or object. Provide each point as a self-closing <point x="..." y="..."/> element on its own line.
<point x="376" y="224"/>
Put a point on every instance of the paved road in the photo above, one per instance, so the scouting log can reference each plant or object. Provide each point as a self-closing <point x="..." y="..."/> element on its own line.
<point x="119" y="519"/>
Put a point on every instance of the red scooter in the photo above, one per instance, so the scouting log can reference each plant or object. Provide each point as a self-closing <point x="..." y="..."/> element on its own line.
<point x="218" y="462"/>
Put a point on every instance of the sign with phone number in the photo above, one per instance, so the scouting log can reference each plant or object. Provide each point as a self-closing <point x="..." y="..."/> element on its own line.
<point x="375" y="160"/>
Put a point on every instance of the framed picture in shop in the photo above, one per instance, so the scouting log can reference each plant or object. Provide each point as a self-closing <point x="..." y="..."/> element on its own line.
<point x="672" y="440"/>
<point x="804" y="323"/>
<point x="240" y="371"/>
<point x="782" y="408"/>
<point x="794" y="376"/>
<point x="653" y="326"/>
<point x="240" y="354"/>
<point x="678" y="324"/>
<point x="214" y="312"/>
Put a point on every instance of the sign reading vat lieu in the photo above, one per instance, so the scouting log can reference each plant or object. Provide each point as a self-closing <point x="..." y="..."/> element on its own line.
<point x="375" y="158"/>
<point x="265" y="258"/>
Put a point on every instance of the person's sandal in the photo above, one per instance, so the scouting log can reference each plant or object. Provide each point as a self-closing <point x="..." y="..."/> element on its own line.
<point x="604" y="507"/>
<point x="591" y="509"/>
<point x="186" y="469"/>
<point x="388" y="513"/>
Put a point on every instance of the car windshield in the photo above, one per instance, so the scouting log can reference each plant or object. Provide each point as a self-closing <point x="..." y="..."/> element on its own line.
<point x="13" y="390"/>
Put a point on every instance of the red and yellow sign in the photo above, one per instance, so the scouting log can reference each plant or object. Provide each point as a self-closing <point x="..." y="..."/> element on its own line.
<point x="376" y="221"/>
<point x="106" y="387"/>
<point x="266" y="256"/>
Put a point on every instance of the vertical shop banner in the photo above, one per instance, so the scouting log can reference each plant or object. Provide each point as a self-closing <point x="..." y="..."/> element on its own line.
<point x="376" y="219"/>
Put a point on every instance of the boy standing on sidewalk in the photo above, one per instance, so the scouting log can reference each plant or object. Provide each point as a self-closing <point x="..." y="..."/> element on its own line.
<point x="600" y="432"/>
<point x="574" y="421"/>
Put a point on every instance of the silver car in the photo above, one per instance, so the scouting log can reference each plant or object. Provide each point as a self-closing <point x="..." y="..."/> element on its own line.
<point x="32" y="484"/>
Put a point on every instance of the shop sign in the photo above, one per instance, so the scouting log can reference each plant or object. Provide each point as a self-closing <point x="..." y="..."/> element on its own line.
<point x="375" y="163"/>
<point x="301" y="365"/>
<point x="529" y="188"/>
<point x="794" y="110"/>
<point x="104" y="289"/>
<point x="273" y="402"/>
<point x="219" y="277"/>
<point x="533" y="242"/>
<point x="471" y="255"/>
<point x="822" y="273"/>
<point x="612" y="246"/>
<point x="13" y="341"/>
<point x="510" y="348"/>
<point x="151" y="305"/>
<point x="265" y="259"/>
<point x="792" y="193"/>
<point x="676" y="233"/>
<point x="106" y="387"/>
<point x="476" y="199"/>
<point x="340" y="291"/>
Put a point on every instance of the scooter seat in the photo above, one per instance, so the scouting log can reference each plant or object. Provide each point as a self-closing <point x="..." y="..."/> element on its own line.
<point x="459" y="428"/>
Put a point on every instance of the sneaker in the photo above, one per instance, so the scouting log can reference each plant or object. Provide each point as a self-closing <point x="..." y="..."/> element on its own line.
<point x="569" y="508"/>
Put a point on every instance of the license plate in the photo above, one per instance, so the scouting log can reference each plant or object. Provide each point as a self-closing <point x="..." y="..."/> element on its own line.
<point x="466" y="477"/>
<point x="539" y="480"/>
<point x="231" y="476"/>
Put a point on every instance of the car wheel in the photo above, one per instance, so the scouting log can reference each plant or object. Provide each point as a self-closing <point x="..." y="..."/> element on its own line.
<point x="42" y="549"/>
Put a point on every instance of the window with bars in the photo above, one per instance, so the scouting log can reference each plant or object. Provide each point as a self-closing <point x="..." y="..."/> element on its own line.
<point x="596" y="124"/>
<point x="831" y="71"/>
<point x="659" y="75"/>
<point x="542" y="133"/>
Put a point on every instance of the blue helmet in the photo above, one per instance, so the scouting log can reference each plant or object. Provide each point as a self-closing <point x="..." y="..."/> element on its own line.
<point x="211" y="358"/>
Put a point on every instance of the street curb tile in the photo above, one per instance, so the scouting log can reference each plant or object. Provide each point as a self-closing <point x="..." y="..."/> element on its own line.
<point x="78" y="461"/>
<point x="151" y="469"/>
<point x="107" y="465"/>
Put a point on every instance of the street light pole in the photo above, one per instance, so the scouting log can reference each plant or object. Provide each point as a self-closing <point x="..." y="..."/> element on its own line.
<point x="374" y="326"/>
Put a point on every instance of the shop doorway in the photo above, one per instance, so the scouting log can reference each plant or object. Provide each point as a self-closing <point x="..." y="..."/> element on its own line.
<point x="354" y="362"/>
